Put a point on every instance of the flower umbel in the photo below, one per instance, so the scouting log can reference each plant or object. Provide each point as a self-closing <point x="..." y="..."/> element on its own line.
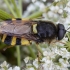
<point x="5" y="66"/>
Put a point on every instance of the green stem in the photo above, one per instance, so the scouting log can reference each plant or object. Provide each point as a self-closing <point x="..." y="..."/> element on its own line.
<point x="9" y="6"/>
<point x="5" y="68"/>
<point x="39" y="49"/>
<point x="16" y="8"/>
<point x="4" y="15"/>
<point x="31" y="51"/>
<point x="20" y="7"/>
<point x="35" y="15"/>
<point x="18" y="55"/>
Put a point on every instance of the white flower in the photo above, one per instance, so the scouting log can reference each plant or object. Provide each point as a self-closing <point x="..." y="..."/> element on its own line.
<point x="60" y="11"/>
<point x="44" y="0"/>
<point x="39" y="5"/>
<point x="45" y="53"/>
<point x="28" y="65"/>
<point x="42" y="8"/>
<point x="48" y="54"/>
<point x="2" y="69"/>
<point x="35" y="63"/>
<point x="4" y="64"/>
<point x="31" y="68"/>
<point x="67" y="9"/>
<point x="48" y="65"/>
<point x="67" y="20"/>
<point x="47" y="62"/>
<point x="10" y="68"/>
<point x="62" y="42"/>
<point x="54" y="8"/>
<point x="65" y="39"/>
<point x="26" y="59"/>
<point x="63" y="62"/>
<point x="68" y="4"/>
<point x="56" y="0"/>
<point x="50" y="14"/>
<point x="31" y="8"/>
<point x="16" y="68"/>
<point x="64" y="53"/>
<point x="45" y="16"/>
<point x="44" y="59"/>
<point x="34" y="1"/>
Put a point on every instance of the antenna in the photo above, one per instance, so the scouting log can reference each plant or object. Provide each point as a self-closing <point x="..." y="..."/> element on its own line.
<point x="68" y="29"/>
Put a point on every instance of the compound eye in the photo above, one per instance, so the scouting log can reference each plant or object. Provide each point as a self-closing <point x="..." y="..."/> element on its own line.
<point x="61" y="31"/>
<point x="61" y="34"/>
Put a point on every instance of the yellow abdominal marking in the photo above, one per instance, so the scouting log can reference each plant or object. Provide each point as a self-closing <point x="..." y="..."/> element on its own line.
<point x="13" y="42"/>
<point x="24" y="41"/>
<point x="4" y="37"/>
<point x="34" y="28"/>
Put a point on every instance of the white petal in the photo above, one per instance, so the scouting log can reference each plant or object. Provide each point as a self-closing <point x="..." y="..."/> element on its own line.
<point x="16" y="68"/>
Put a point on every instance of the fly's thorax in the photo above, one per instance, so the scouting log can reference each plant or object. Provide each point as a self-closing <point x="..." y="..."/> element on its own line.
<point x="46" y="29"/>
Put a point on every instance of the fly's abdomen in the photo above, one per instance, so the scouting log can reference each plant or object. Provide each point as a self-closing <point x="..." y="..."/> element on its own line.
<point x="13" y="40"/>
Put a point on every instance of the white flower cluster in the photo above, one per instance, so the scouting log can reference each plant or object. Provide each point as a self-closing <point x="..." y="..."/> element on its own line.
<point x="62" y="63"/>
<point x="56" y="0"/>
<point x="54" y="58"/>
<point x="5" y="66"/>
<point x="37" y="5"/>
<point x="67" y="8"/>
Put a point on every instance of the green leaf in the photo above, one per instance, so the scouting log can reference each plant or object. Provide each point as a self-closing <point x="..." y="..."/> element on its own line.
<point x="4" y="15"/>
<point x="35" y="15"/>
<point x="10" y="8"/>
